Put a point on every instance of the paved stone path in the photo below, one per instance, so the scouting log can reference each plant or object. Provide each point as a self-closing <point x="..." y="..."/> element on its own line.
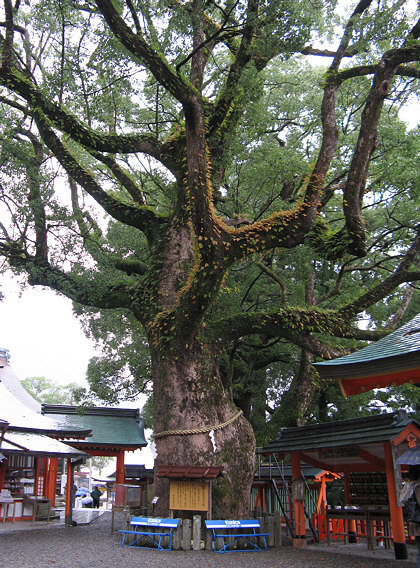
<point x="92" y="546"/>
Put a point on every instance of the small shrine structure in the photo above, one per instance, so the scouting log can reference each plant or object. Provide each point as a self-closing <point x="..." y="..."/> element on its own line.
<point x="135" y="474"/>
<point x="34" y="437"/>
<point x="113" y="431"/>
<point x="272" y="490"/>
<point x="31" y="452"/>
<point x="366" y="452"/>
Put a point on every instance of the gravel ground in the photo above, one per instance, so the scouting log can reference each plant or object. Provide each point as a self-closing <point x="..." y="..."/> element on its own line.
<point x="92" y="546"/>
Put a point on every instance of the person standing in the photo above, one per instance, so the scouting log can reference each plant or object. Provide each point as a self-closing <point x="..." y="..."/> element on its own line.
<point x="411" y="489"/>
<point x="96" y="495"/>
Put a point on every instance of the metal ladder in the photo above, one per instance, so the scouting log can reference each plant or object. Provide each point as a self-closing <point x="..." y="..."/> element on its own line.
<point x="286" y="500"/>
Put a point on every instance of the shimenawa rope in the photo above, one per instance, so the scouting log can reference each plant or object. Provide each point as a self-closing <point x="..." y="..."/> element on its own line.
<point x="198" y="430"/>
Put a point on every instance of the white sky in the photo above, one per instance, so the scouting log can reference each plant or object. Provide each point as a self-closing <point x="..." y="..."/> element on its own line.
<point x="45" y="339"/>
<point x="42" y="335"/>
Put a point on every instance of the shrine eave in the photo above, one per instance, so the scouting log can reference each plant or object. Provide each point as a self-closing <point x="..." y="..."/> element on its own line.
<point x="390" y="361"/>
<point x="190" y="472"/>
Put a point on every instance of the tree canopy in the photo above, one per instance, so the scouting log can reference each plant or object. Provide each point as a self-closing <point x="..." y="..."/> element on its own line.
<point x="220" y="209"/>
<point x="50" y="392"/>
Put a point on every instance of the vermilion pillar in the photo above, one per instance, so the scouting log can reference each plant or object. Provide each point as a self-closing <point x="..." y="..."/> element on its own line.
<point x="69" y="487"/>
<point x="321" y="506"/>
<point x="51" y="481"/>
<point x="397" y="520"/>
<point x="120" y="474"/>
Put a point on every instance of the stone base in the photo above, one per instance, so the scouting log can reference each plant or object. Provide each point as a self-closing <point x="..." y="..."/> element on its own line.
<point x="352" y="537"/>
<point x="299" y="542"/>
<point x="400" y="549"/>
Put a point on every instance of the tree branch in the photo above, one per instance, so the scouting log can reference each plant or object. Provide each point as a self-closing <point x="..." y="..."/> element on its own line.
<point x="400" y="275"/>
<point x="122" y="176"/>
<point x="143" y="52"/>
<point x="34" y="198"/>
<point x="291" y="323"/>
<point x="366" y="143"/>
<point x="274" y="276"/>
<point x="94" y="293"/>
<point x="139" y="217"/>
<point x="282" y="229"/>
<point x="7" y="53"/>
<point x="66" y="122"/>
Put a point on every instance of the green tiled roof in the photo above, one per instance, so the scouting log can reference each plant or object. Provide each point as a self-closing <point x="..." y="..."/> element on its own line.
<point x="404" y="340"/>
<point x="111" y="427"/>
<point x="340" y="433"/>
<point x="397" y="351"/>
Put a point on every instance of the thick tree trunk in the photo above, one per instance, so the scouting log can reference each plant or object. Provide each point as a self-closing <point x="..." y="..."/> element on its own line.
<point x="189" y="396"/>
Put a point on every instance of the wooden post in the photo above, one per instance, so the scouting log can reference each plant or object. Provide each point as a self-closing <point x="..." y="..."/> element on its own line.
<point x="397" y="520"/>
<point x="263" y="528"/>
<point x="269" y="527"/>
<point x="278" y="535"/>
<point x="69" y="488"/>
<point x="299" y="513"/>
<point x="120" y="473"/>
<point x="126" y="525"/>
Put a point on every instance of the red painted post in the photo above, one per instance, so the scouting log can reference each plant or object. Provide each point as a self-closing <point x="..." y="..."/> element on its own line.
<point x="397" y="520"/>
<point x="69" y="487"/>
<point x="120" y="474"/>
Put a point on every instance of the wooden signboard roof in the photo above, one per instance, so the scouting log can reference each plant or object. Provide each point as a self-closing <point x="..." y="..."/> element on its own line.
<point x="393" y="360"/>
<point x="189" y="472"/>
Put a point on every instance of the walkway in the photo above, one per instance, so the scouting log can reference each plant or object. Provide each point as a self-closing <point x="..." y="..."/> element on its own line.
<point x="80" y="517"/>
<point x="87" y="546"/>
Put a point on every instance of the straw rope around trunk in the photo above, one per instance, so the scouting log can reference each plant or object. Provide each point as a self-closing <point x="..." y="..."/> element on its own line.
<point x="198" y="430"/>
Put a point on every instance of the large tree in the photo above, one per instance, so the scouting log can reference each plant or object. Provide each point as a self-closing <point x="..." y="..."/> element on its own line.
<point x="152" y="112"/>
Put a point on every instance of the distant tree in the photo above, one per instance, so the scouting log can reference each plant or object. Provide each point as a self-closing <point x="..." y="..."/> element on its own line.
<point x="99" y="462"/>
<point x="50" y="392"/>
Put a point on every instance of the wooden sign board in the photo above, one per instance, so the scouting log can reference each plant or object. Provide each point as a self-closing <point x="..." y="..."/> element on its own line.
<point x="189" y="496"/>
<point x="340" y="452"/>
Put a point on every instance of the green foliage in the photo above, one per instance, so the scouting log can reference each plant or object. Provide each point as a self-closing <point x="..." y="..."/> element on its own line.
<point x="100" y="462"/>
<point x="50" y="392"/>
<point x="125" y="152"/>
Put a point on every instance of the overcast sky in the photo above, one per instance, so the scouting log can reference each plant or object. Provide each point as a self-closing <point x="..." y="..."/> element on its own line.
<point x="45" y="340"/>
<point x="42" y="335"/>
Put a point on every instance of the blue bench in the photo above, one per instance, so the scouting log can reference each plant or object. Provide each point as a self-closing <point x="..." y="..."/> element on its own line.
<point x="150" y="530"/>
<point x="231" y="531"/>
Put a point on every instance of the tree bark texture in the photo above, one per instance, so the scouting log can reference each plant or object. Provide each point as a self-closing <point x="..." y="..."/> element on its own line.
<point x="189" y="398"/>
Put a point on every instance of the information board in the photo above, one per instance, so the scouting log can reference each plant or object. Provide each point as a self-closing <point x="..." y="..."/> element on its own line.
<point x="369" y="488"/>
<point x="189" y="496"/>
